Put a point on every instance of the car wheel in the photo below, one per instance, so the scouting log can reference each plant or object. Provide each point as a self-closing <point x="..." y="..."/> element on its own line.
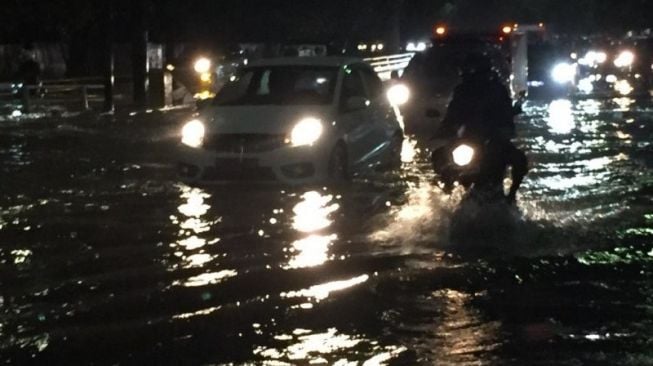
<point x="338" y="166"/>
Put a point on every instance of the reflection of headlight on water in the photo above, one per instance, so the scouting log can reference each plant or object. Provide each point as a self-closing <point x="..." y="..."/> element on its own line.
<point x="193" y="133"/>
<point x="586" y="85"/>
<point x="593" y="58"/>
<point x="306" y="132"/>
<point x="625" y="59"/>
<point x="398" y="94"/>
<point x="563" y="73"/>
<point x="623" y="87"/>
<point x="463" y="155"/>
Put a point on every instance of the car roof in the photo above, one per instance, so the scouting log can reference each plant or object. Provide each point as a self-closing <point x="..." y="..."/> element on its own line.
<point x="334" y="61"/>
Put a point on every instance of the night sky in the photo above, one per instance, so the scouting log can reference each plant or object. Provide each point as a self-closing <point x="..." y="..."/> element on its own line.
<point x="282" y="20"/>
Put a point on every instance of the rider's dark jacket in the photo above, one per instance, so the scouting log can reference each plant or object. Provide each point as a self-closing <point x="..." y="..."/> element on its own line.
<point x="483" y="105"/>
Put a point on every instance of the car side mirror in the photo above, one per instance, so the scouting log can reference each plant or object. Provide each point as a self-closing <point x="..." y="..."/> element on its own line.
<point x="356" y="103"/>
<point x="432" y="113"/>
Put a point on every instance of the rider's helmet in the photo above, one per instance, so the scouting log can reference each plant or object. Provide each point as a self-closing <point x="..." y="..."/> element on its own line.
<point x="475" y="64"/>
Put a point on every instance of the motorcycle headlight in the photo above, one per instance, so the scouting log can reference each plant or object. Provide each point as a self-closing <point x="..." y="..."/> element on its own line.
<point x="306" y="132"/>
<point x="398" y="94"/>
<point x="463" y="155"/>
<point x="193" y="133"/>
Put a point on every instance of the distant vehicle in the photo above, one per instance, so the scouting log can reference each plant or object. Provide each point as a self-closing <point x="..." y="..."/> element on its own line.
<point x="432" y="76"/>
<point x="293" y="120"/>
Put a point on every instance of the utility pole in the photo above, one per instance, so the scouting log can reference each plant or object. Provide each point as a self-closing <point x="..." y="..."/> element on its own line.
<point x="109" y="77"/>
<point x="140" y="67"/>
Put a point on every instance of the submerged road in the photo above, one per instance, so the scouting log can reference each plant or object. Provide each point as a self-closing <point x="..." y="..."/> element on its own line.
<point x="106" y="258"/>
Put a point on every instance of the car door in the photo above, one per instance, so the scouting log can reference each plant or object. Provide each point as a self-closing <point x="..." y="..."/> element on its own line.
<point x="356" y="120"/>
<point x="383" y="120"/>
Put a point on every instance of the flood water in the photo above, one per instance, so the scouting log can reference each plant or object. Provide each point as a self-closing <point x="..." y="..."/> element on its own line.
<point x="106" y="258"/>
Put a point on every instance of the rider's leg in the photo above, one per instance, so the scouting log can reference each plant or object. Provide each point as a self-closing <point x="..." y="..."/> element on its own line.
<point x="519" y="164"/>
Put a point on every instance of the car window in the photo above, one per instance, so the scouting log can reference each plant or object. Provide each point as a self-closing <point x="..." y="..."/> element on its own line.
<point x="352" y="86"/>
<point x="373" y="83"/>
<point x="280" y="85"/>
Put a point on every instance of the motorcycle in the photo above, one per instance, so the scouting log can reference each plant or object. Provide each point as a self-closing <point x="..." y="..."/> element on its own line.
<point x="475" y="164"/>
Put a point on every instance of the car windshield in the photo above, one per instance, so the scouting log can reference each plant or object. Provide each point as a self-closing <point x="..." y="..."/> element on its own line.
<point x="280" y="85"/>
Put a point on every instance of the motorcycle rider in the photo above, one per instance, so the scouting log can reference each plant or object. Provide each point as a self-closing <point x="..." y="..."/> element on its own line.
<point x="481" y="108"/>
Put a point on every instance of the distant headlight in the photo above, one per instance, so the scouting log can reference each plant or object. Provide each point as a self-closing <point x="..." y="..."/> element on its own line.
<point x="463" y="155"/>
<point x="306" y="132"/>
<point x="563" y="73"/>
<point x="398" y="94"/>
<point x="193" y="133"/>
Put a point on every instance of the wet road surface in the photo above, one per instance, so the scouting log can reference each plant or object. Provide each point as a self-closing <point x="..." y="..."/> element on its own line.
<point x="106" y="258"/>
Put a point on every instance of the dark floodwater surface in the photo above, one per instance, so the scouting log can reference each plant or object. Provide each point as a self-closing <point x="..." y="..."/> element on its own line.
<point x="105" y="258"/>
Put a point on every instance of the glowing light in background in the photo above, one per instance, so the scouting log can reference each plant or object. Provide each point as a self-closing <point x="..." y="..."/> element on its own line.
<point x="312" y="213"/>
<point x="561" y="118"/>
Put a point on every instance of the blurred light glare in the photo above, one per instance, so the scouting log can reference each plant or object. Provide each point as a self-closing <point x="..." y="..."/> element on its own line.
<point x="611" y="79"/>
<point x="507" y="29"/>
<point x="593" y="58"/>
<point x="563" y="73"/>
<point x="440" y="30"/>
<point x="398" y="94"/>
<point x="202" y="65"/>
<point x="625" y="59"/>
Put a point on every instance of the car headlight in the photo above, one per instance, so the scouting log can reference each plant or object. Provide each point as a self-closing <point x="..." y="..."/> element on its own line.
<point x="306" y="132"/>
<point x="398" y="94"/>
<point x="463" y="155"/>
<point x="563" y="73"/>
<point x="193" y="133"/>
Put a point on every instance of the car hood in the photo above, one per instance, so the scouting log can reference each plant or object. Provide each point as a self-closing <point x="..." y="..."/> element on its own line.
<point x="260" y="119"/>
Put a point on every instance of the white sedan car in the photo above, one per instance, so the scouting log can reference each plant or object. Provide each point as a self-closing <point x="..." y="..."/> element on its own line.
<point x="293" y="120"/>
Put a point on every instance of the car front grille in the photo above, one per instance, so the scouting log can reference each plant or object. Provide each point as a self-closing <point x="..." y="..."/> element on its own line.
<point x="248" y="143"/>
